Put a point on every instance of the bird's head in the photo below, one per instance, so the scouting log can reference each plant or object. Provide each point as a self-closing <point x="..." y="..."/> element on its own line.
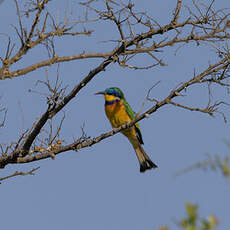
<point x="112" y="94"/>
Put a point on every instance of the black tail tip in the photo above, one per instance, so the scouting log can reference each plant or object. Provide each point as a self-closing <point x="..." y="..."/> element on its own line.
<point x="146" y="165"/>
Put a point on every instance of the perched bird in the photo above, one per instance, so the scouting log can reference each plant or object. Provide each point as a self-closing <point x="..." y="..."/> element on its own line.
<point x="119" y="112"/>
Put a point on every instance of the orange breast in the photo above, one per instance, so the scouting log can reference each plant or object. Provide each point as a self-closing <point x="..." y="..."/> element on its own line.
<point x="116" y="114"/>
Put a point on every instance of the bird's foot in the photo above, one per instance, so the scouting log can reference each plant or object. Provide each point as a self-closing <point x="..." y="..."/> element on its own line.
<point x="115" y="129"/>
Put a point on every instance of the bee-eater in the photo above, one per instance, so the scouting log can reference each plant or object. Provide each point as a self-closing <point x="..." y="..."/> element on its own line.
<point x="119" y="112"/>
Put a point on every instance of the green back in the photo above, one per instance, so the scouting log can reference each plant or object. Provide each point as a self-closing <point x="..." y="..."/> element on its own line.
<point x="132" y="116"/>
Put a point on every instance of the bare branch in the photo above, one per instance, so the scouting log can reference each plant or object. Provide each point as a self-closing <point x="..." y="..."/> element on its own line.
<point x="211" y="163"/>
<point x="177" y="12"/>
<point x="138" y="33"/>
<point x="4" y="117"/>
<point x="17" y="173"/>
<point x="20" y="23"/>
<point x="19" y="156"/>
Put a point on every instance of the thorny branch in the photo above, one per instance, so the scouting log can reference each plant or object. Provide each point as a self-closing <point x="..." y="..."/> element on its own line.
<point x="206" y="25"/>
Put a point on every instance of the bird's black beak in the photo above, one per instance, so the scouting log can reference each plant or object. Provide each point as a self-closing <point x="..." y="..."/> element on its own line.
<point x="98" y="93"/>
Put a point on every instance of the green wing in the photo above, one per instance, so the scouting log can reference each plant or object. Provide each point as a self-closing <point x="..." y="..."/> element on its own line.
<point x="128" y="109"/>
<point x="132" y="115"/>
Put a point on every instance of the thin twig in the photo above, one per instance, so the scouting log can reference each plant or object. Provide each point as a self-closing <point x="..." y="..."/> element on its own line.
<point x="17" y="173"/>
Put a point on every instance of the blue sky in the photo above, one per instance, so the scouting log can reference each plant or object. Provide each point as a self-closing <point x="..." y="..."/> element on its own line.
<point x="100" y="187"/>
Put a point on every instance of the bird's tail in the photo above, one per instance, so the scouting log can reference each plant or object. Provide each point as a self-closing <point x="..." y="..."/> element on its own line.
<point x="144" y="160"/>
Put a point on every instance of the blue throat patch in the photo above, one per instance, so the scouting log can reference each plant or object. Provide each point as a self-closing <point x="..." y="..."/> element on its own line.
<point x="111" y="102"/>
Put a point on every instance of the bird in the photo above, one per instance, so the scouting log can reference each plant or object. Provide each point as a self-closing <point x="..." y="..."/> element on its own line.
<point x="119" y="112"/>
